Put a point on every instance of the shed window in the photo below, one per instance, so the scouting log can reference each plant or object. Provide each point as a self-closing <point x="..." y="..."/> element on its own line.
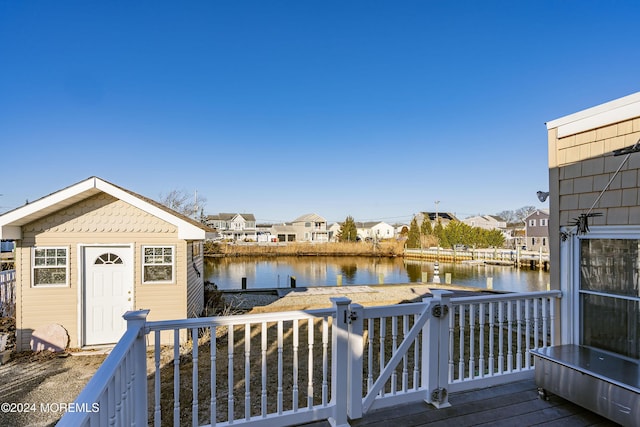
<point x="158" y="264"/>
<point x="50" y="266"/>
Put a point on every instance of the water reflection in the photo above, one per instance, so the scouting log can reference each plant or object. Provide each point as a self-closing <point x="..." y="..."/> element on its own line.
<point x="276" y="272"/>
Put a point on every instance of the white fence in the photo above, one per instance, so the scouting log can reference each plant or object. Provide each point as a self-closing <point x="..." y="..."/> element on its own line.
<point x="7" y="293"/>
<point x="304" y="366"/>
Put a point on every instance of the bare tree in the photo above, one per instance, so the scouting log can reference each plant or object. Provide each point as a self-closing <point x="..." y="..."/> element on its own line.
<point x="516" y="216"/>
<point x="524" y="212"/>
<point x="184" y="202"/>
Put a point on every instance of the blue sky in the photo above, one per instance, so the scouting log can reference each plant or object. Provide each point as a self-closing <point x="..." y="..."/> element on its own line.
<point x="374" y="109"/>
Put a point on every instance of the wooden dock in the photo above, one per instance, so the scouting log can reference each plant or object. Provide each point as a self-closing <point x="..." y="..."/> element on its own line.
<point x="506" y="257"/>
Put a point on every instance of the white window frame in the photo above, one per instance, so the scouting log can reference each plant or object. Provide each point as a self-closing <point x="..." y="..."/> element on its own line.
<point x="34" y="267"/>
<point x="595" y="232"/>
<point x="143" y="264"/>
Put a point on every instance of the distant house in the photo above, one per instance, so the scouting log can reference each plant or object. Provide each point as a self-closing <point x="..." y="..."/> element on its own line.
<point x="374" y="230"/>
<point x="306" y="228"/>
<point x="234" y="226"/>
<point x="334" y="231"/>
<point x="487" y="222"/>
<point x="537" y="230"/>
<point x="401" y="230"/>
<point x="90" y="252"/>
<point x="443" y="217"/>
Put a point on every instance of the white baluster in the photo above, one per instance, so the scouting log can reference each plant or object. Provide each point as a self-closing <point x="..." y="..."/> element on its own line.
<point x="394" y="347"/>
<point x="279" y="396"/>
<point x="194" y="386"/>
<point x="157" y="420"/>
<point x="492" y="314"/>
<point x="405" y="359"/>
<point x="527" y="328"/>
<point x="230" y="399"/>
<point x="481" y="325"/>
<point x="416" y="358"/>
<point x="461" y="324"/>
<point x="294" y="393"/>
<point x="213" y="404"/>
<point x="500" y="337"/>
<point x="536" y="323"/>
<point x="325" y="361"/>
<point x="552" y="320"/>
<point x="247" y="371"/>
<point x="472" y="342"/>
<point x="381" y="362"/>
<point x="371" y="333"/>
<point x="176" y="377"/>
<point x="510" y="336"/>
<point x="310" y="327"/>
<point x="263" y="351"/>
<point x="451" y="368"/>
<point x="519" y="334"/>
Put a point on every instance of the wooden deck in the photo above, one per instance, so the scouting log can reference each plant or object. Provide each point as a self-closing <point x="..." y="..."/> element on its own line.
<point x="514" y="404"/>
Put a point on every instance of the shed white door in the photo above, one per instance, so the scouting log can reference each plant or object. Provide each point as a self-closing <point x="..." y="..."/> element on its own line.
<point x="108" y="292"/>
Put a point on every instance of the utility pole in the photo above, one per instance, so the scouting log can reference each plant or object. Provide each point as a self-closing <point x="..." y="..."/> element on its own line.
<point x="436" y="267"/>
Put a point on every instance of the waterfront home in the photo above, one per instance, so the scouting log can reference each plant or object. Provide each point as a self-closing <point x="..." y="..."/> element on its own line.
<point x="334" y="231"/>
<point x="306" y="228"/>
<point x="434" y="217"/>
<point x="234" y="226"/>
<point x="537" y="230"/>
<point x="86" y="254"/>
<point x="374" y="230"/>
<point x="487" y="222"/>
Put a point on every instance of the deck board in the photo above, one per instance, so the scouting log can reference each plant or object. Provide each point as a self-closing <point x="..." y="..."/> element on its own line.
<point x="513" y="404"/>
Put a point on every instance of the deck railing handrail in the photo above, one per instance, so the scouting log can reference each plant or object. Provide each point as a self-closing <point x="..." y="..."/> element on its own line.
<point x="506" y="296"/>
<point x="362" y="358"/>
<point x="203" y="322"/>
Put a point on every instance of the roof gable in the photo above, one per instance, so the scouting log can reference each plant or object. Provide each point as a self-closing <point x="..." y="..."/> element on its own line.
<point x="12" y="221"/>
<point x="311" y="217"/>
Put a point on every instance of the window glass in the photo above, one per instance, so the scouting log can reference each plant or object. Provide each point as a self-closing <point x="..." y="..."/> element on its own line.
<point x="611" y="324"/>
<point x="609" y="297"/>
<point x="157" y="264"/>
<point x="50" y="266"/>
<point x="610" y="266"/>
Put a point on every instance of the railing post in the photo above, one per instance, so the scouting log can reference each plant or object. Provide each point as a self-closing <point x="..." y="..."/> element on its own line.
<point x="435" y="349"/>
<point x="355" y="318"/>
<point x="339" y="354"/>
<point x="137" y="320"/>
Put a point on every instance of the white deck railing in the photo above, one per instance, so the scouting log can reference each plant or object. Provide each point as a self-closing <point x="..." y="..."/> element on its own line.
<point x="7" y="293"/>
<point x="304" y="366"/>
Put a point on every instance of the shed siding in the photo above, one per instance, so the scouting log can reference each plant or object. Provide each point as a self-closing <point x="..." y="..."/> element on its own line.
<point x="101" y="219"/>
<point x="195" y="280"/>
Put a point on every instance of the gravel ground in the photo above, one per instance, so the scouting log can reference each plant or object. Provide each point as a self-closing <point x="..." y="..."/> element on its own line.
<point x="35" y="385"/>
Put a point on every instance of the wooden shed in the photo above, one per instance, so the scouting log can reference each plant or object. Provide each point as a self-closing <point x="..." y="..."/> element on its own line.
<point x="88" y="253"/>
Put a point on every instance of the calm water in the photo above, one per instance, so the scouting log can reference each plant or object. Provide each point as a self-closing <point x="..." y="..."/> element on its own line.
<point x="275" y="272"/>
